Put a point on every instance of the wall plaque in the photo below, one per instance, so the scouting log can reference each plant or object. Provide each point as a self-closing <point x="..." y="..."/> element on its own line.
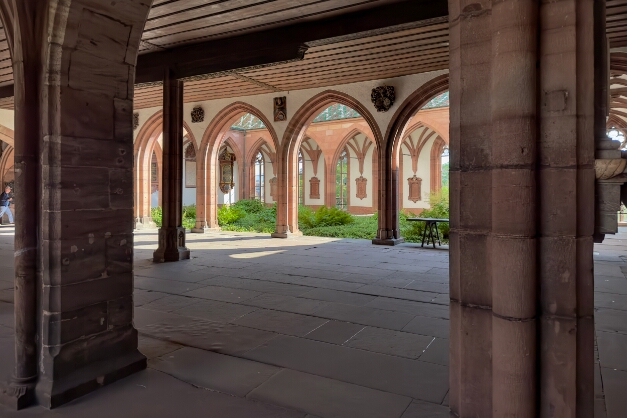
<point x="361" y="183"/>
<point x="314" y="188"/>
<point x="415" y="185"/>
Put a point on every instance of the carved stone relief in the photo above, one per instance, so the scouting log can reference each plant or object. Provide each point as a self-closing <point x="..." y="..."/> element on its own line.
<point x="383" y="98"/>
<point x="198" y="114"/>
<point x="135" y="120"/>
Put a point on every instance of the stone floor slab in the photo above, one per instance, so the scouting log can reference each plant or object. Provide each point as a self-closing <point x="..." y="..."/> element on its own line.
<point x="612" y="320"/>
<point x="615" y="387"/>
<point x="395" y="343"/>
<point x="613" y="350"/>
<point x="365" y="315"/>
<point x="165" y="286"/>
<point x="280" y="322"/>
<point x="287" y="303"/>
<point x="224" y="294"/>
<point x="329" y="398"/>
<point x="212" y="336"/>
<point x="346" y="298"/>
<point x="156" y="395"/>
<point x="213" y="310"/>
<point x="152" y="347"/>
<point x="335" y="332"/>
<point x="258" y="285"/>
<point x="412" y="307"/>
<point x="214" y="371"/>
<point x="419" y="409"/>
<point x="170" y="303"/>
<point x="437" y="352"/>
<point x="373" y="370"/>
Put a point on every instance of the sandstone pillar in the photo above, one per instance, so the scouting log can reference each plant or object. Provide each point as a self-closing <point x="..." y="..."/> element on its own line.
<point x="522" y="193"/>
<point x="388" y="232"/>
<point x="172" y="234"/>
<point x="74" y="66"/>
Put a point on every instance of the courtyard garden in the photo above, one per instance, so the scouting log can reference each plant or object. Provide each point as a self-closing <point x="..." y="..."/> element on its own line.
<point x="254" y="216"/>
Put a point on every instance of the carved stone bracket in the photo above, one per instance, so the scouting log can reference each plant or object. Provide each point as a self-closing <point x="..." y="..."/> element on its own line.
<point x="610" y="191"/>
<point x="273" y="188"/>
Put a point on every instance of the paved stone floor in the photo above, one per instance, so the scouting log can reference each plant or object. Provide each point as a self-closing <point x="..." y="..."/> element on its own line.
<point x="306" y="327"/>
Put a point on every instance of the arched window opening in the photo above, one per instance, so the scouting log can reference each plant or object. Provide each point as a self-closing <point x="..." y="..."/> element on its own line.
<point x="301" y="179"/>
<point x="341" y="181"/>
<point x="617" y="135"/>
<point x="260" y="178"/>
<point x="190" y="166"/>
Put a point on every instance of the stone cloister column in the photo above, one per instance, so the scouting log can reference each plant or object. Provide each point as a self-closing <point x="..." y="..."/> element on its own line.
<point x="522" y="208"/>
<point x="388" y="232"/>
<point x="74" y="65"/>
<point x="172" y="234"/>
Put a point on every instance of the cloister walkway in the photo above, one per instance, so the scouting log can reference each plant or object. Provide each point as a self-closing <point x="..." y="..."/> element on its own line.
<point x="305" y="327"/>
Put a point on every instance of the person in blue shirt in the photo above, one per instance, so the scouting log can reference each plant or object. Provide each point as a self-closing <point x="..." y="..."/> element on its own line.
<point x="5" y="202"/>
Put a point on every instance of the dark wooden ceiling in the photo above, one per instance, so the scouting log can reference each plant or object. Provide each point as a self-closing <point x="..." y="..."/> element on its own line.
<point x="617" y="23"/>
<point x="178" y="22"/>
<point x="174" y="23"/>
<point x="421" y="48"/>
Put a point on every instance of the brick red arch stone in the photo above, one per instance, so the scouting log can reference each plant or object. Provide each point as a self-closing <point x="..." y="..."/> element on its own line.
<point x="215" y="134"/>
<point x="287" y="204"/>
<point x="389" y="200"/>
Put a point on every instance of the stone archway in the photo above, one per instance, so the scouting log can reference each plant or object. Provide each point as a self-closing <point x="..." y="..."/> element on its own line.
<point x="215" y="134"/>
<point x="145" y="144"/>
<point x="263" y="146"/>
<point x="389" y="202"/>
<point x="287" y="206"/>
<point x="76" y="169"/>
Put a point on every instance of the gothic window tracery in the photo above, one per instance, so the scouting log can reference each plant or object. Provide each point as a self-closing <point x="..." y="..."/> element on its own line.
<point x="341" y="180"/>
<point x="190" y="166"/>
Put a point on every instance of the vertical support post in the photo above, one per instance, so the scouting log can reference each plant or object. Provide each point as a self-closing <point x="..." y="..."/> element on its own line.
<point x="522" y="187"/>
<point x="172" y="234"/>
<point x="513" y="242"/>
<point x="388" y="232"/>
<point x="27" y="67"/>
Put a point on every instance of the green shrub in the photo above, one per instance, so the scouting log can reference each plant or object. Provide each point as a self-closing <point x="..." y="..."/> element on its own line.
<point x="325" y="216"/>
<point x="439" y="201"/>
<point x="189" y="212"/>
<point x="157" y="216"/>
<point x="250" y="205"/>
<point x="229" y="215"/>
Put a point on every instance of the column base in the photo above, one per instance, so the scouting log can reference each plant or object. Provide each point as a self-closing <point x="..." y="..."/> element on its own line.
<point x="145" y="223"/>
<point x="16" y="395"/>
<point x="388" y="241"/>
<point x="288" y="234"/>
<point x="54" y="394"/>
<point x="171" y="246"/>
<point x="205" y="230"/>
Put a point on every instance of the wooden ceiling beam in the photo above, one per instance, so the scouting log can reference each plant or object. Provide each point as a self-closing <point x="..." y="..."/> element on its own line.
<point x="283" y="44"/>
